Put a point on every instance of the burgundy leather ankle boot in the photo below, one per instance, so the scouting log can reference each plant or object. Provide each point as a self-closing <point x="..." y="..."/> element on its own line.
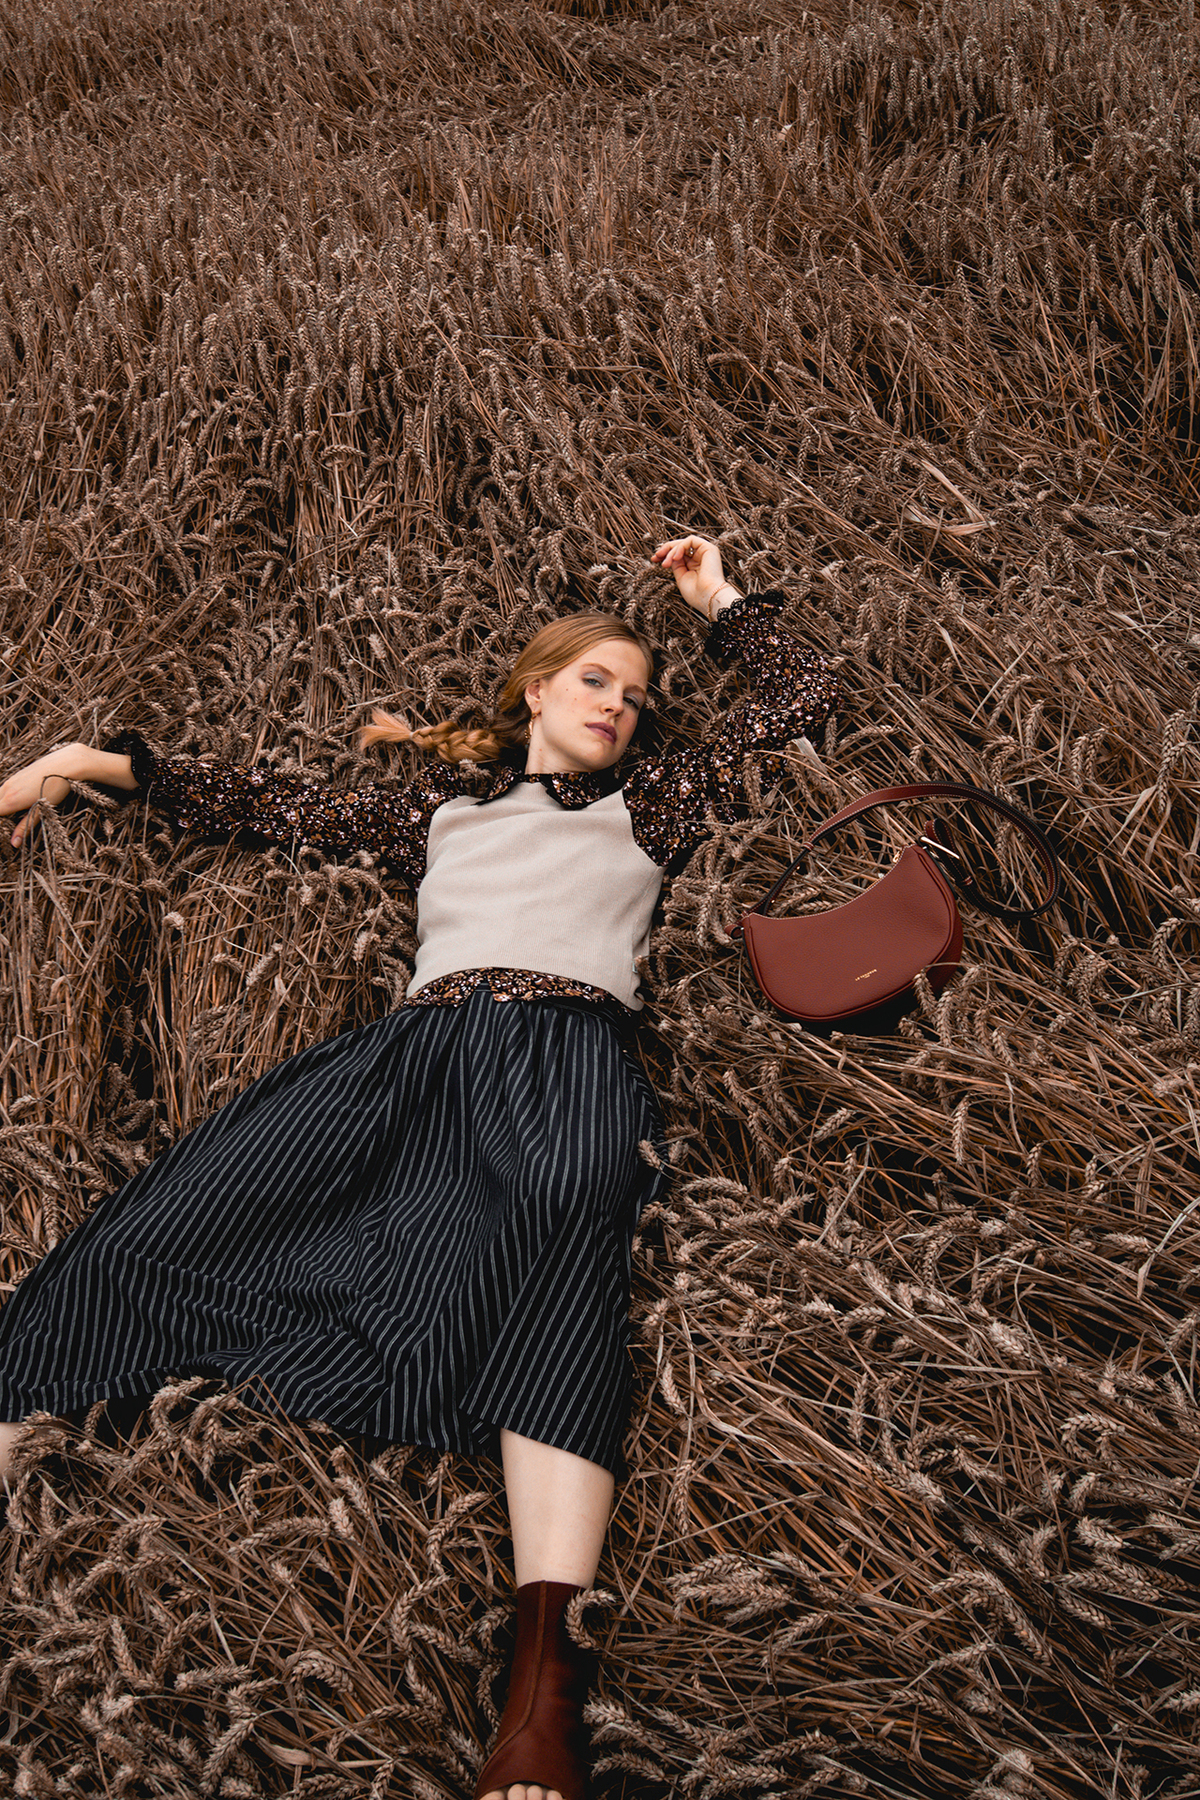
<point x="542" y="1737"/>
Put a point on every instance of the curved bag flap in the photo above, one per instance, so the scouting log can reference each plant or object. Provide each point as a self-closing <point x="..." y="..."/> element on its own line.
<point x="832" y="965"/>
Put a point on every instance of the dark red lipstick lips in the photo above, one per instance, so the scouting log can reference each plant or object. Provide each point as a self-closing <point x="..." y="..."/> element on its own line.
<point x="608" y="731"/>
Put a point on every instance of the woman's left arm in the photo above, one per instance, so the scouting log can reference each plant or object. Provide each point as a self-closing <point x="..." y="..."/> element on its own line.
<point x="671" y="798"/>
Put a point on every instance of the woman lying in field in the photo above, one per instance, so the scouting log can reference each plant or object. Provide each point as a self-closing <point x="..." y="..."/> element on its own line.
<point x="419" y="1232"/>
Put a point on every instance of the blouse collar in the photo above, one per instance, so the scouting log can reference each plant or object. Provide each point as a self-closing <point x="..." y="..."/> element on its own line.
<point x="572" y="789"/>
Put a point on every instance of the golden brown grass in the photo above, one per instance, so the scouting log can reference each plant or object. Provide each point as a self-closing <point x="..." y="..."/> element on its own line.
<point x="341" y="347"/>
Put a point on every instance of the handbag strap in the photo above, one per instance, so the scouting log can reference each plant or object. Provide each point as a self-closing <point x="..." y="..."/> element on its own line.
<point x="942" y="851"/>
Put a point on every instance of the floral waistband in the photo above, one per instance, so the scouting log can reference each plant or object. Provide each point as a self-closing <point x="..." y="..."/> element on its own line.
<point x="508" y="984"/>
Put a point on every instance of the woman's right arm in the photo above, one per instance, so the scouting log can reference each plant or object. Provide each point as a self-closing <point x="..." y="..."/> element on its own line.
<point x="50" y="776"/>
<point x="389" y="820"/>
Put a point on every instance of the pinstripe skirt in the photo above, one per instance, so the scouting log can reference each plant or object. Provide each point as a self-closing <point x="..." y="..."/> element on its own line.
<point x="418" y="1232"/>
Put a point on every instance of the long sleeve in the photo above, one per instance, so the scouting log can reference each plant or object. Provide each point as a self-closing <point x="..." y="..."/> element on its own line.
<point x="391" y="822"/>
<point x="670" y="797"/>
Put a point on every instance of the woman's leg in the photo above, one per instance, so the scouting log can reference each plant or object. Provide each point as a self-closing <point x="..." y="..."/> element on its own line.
<point x="558" y="1507"/>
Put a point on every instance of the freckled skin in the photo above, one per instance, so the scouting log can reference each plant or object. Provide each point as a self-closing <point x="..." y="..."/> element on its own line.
<point x="584" y="715"/>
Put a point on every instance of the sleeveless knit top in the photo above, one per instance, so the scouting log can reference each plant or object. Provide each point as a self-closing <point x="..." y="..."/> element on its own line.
<point x="522" y="883"/>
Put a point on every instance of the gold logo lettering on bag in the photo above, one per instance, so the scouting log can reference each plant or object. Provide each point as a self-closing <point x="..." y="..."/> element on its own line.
<point x="867" y="972"/>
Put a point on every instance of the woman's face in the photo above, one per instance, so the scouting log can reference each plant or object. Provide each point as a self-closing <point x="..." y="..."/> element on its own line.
<point x="584" y="714"/>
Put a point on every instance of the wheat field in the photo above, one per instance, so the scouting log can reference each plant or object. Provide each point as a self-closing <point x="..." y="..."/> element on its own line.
<point x="343" y="345"/>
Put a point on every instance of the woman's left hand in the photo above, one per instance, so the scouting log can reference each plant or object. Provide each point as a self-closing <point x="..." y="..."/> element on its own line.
<point x="695" y="562"/>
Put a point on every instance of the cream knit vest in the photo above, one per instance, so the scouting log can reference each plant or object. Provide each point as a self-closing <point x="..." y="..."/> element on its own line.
<point x="523" y="883"/>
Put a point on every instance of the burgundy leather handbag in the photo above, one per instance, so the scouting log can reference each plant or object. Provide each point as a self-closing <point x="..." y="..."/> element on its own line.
<point x="855" y="966"/>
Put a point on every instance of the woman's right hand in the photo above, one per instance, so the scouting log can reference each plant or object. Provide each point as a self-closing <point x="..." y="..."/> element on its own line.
<point x="40" y="780"/>
<point x="50" y="777"/>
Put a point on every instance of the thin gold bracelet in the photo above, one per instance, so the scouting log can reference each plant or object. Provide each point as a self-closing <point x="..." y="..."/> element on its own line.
<point x="708" y="606"/>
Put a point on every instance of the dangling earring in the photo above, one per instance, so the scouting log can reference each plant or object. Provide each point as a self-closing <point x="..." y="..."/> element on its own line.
<point x="529" y="728"/>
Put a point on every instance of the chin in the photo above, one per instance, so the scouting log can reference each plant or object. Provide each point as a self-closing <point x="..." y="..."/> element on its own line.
<point x="602" y="755"/>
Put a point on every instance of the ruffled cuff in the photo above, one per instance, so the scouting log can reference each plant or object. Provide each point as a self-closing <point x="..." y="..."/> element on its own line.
<point x="133" y="745"/>
<point x="733" y="626"/>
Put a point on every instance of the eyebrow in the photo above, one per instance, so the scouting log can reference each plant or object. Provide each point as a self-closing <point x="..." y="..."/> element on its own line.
<point x="631" y="687"/>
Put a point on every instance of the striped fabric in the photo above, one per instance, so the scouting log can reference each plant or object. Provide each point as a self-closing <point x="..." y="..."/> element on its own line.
<point x="418" y="1232"/>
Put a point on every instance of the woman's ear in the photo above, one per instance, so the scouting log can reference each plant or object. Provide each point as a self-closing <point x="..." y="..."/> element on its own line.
<point x="533" y="693"/>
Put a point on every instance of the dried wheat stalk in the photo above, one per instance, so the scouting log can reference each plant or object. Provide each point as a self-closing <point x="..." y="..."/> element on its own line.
<point x="341" y="348"/>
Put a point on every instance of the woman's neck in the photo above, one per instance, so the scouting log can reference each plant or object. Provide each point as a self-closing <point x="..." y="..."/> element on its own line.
<point x="541" y="764"/>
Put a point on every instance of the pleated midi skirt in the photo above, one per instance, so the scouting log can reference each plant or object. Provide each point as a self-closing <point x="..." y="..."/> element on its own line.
<point x="418" y="1232"/>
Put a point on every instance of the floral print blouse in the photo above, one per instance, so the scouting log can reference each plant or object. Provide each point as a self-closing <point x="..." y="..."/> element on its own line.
<point x="669" y="796"/>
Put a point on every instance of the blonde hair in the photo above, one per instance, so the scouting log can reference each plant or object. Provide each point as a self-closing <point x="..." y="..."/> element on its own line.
<point x="548" y="651"/>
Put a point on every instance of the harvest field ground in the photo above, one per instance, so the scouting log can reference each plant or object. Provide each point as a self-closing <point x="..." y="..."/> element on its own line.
<point x="342" y="346"/>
